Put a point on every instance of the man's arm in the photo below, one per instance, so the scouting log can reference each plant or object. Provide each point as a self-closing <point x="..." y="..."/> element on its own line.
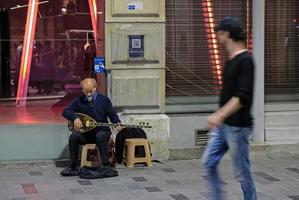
<point x="218" y="117"/>
<point x="113" y="116"/>
<point x="111" y="112"/>
<point x="70" y="111"/>
<point x="245" y="82"/>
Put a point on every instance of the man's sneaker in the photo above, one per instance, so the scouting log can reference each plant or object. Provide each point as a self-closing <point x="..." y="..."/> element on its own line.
<point x="70" y="171"/>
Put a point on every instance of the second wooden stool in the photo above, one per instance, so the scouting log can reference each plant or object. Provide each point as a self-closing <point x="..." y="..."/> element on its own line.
<point x="130" y="158"/>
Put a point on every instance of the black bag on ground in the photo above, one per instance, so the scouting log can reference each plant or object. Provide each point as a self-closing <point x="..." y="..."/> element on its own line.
<point x="96" y="172"/>
<point x="124" y="134"/>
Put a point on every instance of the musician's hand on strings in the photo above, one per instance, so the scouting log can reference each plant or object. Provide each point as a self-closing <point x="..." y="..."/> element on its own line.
<point x="77" y="124"/>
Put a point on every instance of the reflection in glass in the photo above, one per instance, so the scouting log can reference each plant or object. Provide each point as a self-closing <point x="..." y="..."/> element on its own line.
<point x="59" y="60"/>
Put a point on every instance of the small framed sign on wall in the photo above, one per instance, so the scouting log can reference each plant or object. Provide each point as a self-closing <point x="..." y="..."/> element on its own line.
<point x="136" y="47"/>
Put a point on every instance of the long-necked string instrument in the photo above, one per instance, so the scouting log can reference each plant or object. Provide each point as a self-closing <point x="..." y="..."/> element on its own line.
<point x="89" y="123"/>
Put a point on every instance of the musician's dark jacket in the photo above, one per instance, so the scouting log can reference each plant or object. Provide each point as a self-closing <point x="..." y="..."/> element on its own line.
<point x="99" y="109"/>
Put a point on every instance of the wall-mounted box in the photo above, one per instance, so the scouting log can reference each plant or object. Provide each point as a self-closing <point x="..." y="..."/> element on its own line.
<point x="135" y="10"/>
<point x="138" y="91"/>
<point x="135" y="45"/>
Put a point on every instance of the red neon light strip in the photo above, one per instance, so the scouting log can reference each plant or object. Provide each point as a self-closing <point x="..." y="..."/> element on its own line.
<point x="93" y="15"/>
<point x="249" y="35"/>
<point x="27" y="52"/>
<point x="212" y="40"/>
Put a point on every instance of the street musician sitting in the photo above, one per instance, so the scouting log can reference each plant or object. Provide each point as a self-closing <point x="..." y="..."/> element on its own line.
<point x="98" y="107"/>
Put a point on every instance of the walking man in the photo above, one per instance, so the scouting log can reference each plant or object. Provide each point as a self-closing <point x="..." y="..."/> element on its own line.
<point x="231" y="124"/>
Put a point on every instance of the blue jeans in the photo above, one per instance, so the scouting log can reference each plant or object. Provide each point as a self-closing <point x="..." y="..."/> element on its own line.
<point x="236" y="139"/>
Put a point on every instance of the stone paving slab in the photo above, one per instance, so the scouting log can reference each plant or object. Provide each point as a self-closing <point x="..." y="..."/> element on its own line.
<point x="277" y="178"/>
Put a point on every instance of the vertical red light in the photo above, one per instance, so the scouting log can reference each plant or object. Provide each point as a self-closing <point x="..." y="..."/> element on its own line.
<point x="248" y="26"/>
<point x="93" y="16"/>
<point x="27" y="52"/>
<point x="212" y="41"/>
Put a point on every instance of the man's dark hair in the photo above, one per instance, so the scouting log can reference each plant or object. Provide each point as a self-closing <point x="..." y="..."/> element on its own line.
<point x="233" y="26"/>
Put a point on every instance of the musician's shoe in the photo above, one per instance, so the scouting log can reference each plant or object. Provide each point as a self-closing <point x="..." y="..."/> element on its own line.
<point x="108" y="171"/>
<point x="70" y="171"/>
<point x="107" y="168"/>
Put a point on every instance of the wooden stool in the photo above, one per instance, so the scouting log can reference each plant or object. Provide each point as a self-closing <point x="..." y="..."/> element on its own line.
<point x="88" y="151"/>
<point x="129" y="157"/>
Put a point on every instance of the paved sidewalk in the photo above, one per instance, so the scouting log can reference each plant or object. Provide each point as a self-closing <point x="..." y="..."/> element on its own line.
<point x="277" y="178"/>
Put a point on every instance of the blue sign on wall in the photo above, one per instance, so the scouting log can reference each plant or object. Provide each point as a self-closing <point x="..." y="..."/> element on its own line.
<point x="99" y="65"/>
<point x="131" y="7"/>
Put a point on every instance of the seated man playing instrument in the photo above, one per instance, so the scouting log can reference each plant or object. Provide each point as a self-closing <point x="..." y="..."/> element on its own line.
<point x="98" y="107"/>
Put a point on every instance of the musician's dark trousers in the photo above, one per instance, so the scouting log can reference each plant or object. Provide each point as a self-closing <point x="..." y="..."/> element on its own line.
<point x="100" y="138"/>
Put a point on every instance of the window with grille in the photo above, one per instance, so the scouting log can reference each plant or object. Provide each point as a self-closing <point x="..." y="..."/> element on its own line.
<point x="282" y="50"/>
<point x="194" y="59"/>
